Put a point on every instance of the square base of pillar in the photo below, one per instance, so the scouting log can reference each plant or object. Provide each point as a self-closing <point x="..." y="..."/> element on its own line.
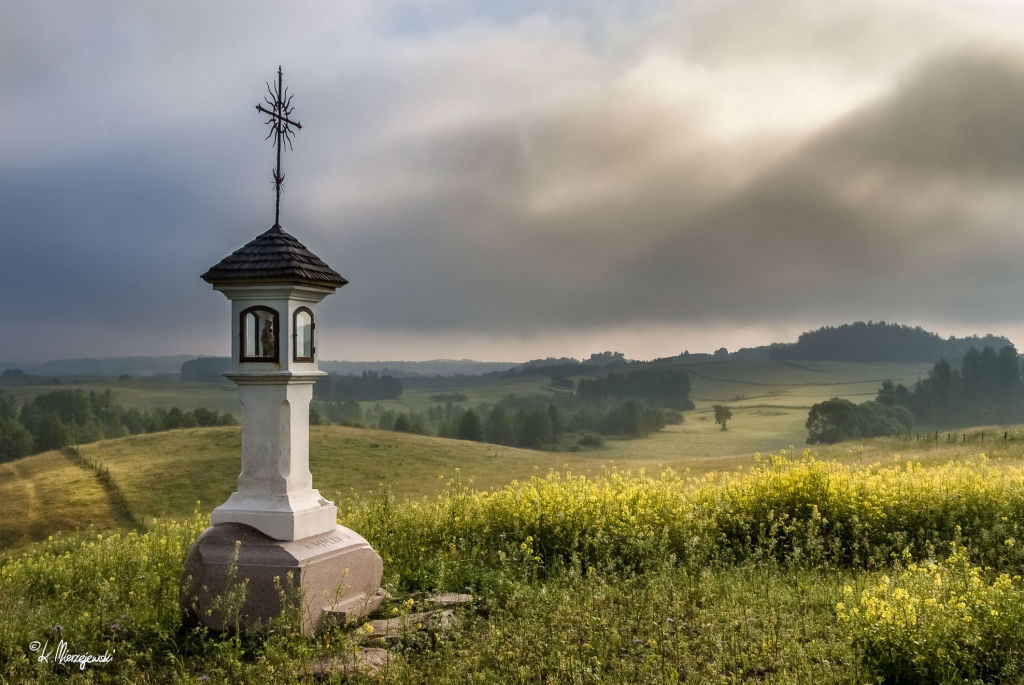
<point x="337" y="571"/>
<point x="282" y="517"/>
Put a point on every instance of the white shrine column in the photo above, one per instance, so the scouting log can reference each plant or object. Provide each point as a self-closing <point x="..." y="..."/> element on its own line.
<point x="276" y="531"/>
<point x="273" y="324"/>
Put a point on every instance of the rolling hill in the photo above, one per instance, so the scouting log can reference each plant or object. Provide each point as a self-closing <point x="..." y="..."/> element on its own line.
<point x="164" y="474"/>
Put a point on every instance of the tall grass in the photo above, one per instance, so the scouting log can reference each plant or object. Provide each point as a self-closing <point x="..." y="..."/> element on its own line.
<point x="800" y="511"/>
<point x="620" y="578"/>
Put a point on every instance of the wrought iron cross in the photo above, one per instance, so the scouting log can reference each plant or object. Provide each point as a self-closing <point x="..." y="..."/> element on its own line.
<point x="280" y="122"/>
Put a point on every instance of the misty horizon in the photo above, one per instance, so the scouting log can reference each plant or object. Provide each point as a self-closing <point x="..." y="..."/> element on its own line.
<point x="180" y="358"/>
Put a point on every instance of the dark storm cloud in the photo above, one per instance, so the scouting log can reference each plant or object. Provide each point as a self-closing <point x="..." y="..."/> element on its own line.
<point x="511" y="172"/>
<point x="909" y="204"/>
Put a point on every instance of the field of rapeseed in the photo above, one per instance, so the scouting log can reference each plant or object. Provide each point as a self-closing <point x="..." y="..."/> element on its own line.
<point x="799" y="570"/>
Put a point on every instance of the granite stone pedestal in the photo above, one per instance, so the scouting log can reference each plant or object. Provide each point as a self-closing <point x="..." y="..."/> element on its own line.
<point x="337" y="571"/>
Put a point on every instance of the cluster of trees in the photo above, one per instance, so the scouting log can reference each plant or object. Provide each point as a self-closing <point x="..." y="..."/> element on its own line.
<point x="532" y="422"/>
<point x="836" y="420"/>
<point x="345" y="413"/>
<point x="568" y="365"/>
<point x="986" y="388"/>
<point x="878" y="341"/>
<point x="66" y="417"/>
<point x="629" y="403"/>
<point x="665" y="387"/>
<point x="537" y="427"/>
<point x="538" y="423"/>
<point x="369" y="386"/>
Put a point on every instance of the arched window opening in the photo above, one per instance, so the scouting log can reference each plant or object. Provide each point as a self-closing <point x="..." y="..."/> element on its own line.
<point x="302" y="335"/>
<point x="259" y="332"/>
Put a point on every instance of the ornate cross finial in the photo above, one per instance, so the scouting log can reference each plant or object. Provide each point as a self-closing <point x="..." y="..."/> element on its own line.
<point x="278" y="117"/>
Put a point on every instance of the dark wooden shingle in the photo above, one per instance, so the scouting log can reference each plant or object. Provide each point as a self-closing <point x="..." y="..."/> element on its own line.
<point x="274" y="256"/>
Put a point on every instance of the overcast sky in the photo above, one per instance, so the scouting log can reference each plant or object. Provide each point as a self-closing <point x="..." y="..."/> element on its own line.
<point x="518" y="179"/>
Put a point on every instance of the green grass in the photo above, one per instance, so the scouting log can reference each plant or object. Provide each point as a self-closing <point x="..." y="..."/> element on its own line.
<point x="800" y="571"/>
<point x="575" y="579"/>
<point x="774" y="398"/>
<point x="47" y="493"/>
<point x="795" y="384"/>
<point x="164" y="474"/>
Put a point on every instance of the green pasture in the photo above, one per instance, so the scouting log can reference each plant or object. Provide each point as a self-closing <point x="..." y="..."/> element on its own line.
<point x="794" y="384"/>
<point x="799" y="571"/>
<point x="164" y="474"/>
<point x="48" y="493"/>
<point x="617" y="578"/>
<point x="744" y="384"/>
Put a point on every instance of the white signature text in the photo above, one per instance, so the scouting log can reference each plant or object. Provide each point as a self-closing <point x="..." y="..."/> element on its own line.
<point x="60" y="655"/>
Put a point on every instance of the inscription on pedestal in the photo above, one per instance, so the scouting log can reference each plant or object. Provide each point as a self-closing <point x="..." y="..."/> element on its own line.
<point x="329" y="541"/>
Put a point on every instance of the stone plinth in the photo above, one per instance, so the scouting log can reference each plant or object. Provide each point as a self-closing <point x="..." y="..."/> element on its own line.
<point x="337" y="571"/>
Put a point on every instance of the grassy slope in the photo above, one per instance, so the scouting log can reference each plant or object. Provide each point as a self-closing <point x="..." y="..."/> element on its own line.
<point x="46" y="493"/>
<point x="165" y="474"/>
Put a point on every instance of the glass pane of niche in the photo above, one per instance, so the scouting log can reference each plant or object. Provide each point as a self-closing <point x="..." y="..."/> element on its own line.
<point x="260" y="336"/>
<point x="303" y="335"/>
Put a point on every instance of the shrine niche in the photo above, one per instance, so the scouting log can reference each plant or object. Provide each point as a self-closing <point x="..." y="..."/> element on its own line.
<point x="259" y="329"/>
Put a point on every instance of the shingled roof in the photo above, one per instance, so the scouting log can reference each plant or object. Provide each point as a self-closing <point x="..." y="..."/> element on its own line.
<point x="274" y="256"/>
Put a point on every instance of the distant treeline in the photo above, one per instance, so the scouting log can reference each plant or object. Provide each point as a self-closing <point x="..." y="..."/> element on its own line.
<point x="568" y="366"/>
<point x="531" y="422"/>
<point x="68" y="417"/>
<point x="666" y="387"/>
<point x="211" y="369"/>
<point x="556" y="367"/>
<point x="206" y="370"/>
<point x="628" y="404"/>
<point x="879" y="341"/>
<point x="369" y="386"/>
<point x="987" y="388"/>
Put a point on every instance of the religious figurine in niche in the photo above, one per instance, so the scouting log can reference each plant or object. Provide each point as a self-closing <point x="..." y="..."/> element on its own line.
<point x="267" y="339"/>
<point x="259" y="335"/>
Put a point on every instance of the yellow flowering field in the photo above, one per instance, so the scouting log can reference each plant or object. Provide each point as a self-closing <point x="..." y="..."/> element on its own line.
<point x="797" y="510"/>
<point x="945" y="621"/>
<point x="798" y="570"/>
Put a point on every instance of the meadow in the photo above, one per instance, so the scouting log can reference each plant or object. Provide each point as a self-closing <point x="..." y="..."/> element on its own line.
<point x="686" y="556"/>
<point x="165" y="474"/>
<point x="796" y="570"/>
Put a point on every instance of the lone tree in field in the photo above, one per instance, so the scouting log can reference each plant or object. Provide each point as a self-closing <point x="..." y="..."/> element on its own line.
<point x="722" y="414"/>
